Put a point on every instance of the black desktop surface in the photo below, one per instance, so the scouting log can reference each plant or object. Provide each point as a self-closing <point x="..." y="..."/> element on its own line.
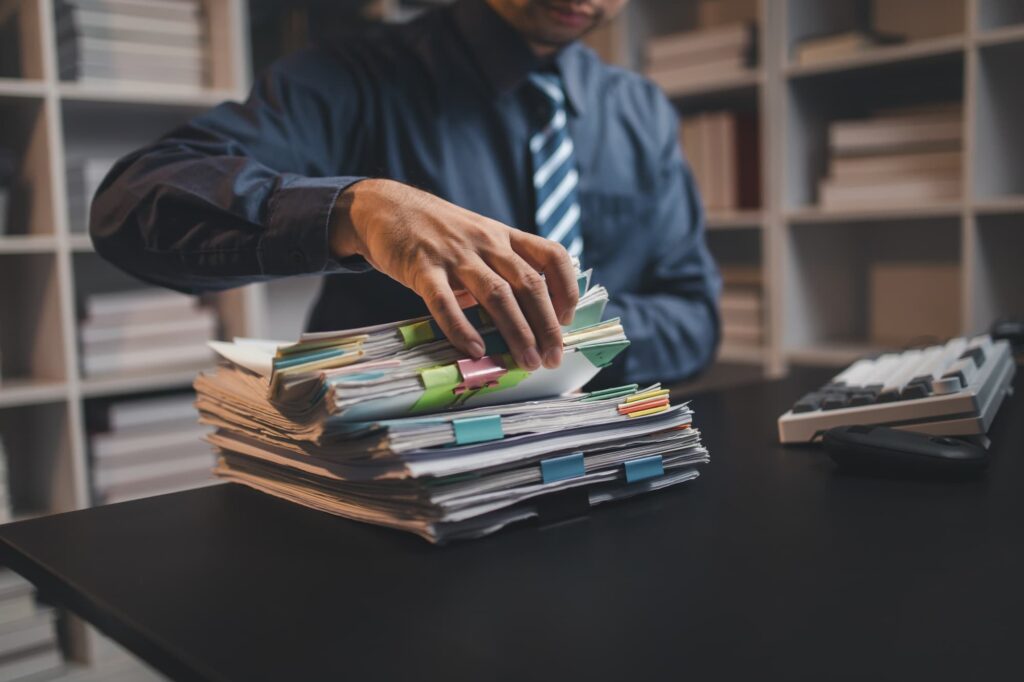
<point x="769" y="566"/>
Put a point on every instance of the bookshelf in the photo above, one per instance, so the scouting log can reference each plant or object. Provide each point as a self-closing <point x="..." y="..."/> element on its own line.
<point x="816" y="263"/>
<point x="51" y="266"/>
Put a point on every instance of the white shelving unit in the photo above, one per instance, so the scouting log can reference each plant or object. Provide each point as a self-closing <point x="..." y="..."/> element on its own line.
<point x="46" y="268"/>
<point x="814" y="262"/>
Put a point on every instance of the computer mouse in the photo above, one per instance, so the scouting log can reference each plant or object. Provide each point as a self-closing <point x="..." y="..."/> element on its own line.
<point x="886" y="450"/>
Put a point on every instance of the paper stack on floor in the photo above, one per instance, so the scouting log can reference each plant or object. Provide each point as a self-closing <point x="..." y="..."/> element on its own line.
<point x="391" y="425"/>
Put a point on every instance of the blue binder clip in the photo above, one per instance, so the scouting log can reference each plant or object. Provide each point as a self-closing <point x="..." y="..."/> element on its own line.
<point x="562" y="468"/>
<point x="643" y="468"/>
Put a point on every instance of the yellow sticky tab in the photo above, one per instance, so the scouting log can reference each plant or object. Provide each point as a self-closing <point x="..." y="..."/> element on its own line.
<point x="644" y="413"/>
<point x="644" y="396"/>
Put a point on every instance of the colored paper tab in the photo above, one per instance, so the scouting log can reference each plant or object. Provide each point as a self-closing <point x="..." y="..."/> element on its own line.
<point x="631" y="408"/>
<point x="418" y="333"/>
<point x="602" y="354"/>
<point x="644" y="468"/>
<point x="657" y="393"/>
<point x="478" y="429"/>
<point x="562" y="468"/>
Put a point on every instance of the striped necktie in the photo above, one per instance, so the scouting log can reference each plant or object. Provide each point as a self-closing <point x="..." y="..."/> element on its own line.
<point x="555" y="176"/>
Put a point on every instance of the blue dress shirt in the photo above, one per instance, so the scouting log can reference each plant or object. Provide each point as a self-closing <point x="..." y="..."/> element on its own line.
<point x="244" y="192"/>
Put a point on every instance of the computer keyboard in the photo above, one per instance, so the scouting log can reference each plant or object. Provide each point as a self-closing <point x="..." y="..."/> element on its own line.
<point x="949" y="390"/>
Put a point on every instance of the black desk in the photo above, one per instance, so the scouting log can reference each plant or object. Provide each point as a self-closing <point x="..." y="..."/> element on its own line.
<point x="770" y="566"/>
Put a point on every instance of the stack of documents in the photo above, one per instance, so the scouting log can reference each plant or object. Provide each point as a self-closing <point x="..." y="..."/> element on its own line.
<point x="392" y="425"/>
<point x="125" y="42"/>
<point x="150" y="446"/>
<point x="145" y="330"/>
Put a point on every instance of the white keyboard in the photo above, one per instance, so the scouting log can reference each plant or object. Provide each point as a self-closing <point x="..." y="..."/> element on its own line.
<point x="949" y="390"/>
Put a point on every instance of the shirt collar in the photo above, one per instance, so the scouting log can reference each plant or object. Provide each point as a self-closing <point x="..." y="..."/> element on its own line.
<point x="504" y="56"/>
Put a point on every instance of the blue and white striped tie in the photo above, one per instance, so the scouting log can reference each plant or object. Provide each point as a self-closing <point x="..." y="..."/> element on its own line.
<point x="555" y="176"/>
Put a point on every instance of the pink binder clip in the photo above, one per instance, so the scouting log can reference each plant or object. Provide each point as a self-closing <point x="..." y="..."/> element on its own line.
<point x="477" y="374"/>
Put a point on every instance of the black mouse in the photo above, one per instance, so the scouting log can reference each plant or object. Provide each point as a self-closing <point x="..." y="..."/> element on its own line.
<point x="887" y="450"/>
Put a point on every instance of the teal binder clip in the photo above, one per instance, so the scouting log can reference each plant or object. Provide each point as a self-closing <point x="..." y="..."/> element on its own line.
<point x="644" y="468"/>
<point x="477" y="429"/>
<point x="561" y="468"/>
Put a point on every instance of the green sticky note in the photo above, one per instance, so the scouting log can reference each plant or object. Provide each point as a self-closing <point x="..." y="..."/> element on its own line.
<point x="417" y="333"/>
<point x="439" y="385"/>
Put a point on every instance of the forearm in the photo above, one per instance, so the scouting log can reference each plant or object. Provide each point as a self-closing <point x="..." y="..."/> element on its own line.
<point x="176" y="217"/>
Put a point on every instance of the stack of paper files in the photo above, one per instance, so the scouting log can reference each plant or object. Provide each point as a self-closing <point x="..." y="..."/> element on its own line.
<point x="899" y="157"/>
<point x="145" y="330"/>
<point x="125" y="42"/>
<point x="681" y="61"/>
<point x="151" y="446"/>
<point x="391" y="425"/>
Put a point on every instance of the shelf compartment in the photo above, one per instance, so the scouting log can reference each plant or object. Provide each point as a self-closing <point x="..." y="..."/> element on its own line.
<point x="31" y="338"/>
<point x="37" y="439"/>
<point x="24" y="134"/>
<point x="926" y="28"/>
<point x="812" y="104"/>
<point x="743" y="305"/>
<point x="872" y="284"/>
<point x="96" y="134"/>
<point x="998" y="163"/>
<point x="996" y="14"/>
<point x="998" y="278"/>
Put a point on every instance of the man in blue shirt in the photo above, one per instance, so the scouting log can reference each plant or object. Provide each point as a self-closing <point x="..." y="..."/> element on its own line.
<point x="421" y="166"/>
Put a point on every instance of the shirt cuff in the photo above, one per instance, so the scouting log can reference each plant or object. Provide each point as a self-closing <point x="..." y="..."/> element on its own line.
<point x="296" y="240"/>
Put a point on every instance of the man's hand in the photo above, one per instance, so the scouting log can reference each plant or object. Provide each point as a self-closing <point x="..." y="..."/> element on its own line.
<point x="436" y="248"/>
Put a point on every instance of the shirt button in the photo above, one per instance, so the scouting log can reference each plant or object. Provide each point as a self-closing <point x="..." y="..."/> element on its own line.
<point x="297" y="257"/>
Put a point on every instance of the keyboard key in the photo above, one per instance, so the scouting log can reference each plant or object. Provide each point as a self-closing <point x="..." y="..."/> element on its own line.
<point x="809" y="403"/>
<point x="975" y="354"/>
<point x="834" y="401"/>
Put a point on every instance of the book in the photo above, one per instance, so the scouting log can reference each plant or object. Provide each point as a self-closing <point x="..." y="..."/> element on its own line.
<point x="139" y="306"/>
<point x="738" y="37"/>
<point x="35" y="664"/>
<point x="724" y="154"/>
<point x="173" y="436"/>
<point x="679" y="78"/>
<point x="140" y="414"/>
<point x="819" y="49"/>
<point x="893" y="133"/>
<point x="146" y="360"/>
<point x="866" y="167"/>
<point x="27" y="633"/>
<point x="894" y="192"/>
<point x="107" y="339"/>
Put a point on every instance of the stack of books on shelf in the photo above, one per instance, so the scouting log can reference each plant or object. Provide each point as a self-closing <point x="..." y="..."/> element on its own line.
<point x="682" y="61"/>
<point x="83" y="177"/>
<point x="724" y="154"/>
<point x="147" y="330"/>
<point x="742" y="310"/>
<point x="149" y="446"/>
<point x="835" y="46"/>
<point x="896" y="158"/>
<point x="28" y="636"/>
<point x="391" y="425"/>
<point x="132" y="42"/>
